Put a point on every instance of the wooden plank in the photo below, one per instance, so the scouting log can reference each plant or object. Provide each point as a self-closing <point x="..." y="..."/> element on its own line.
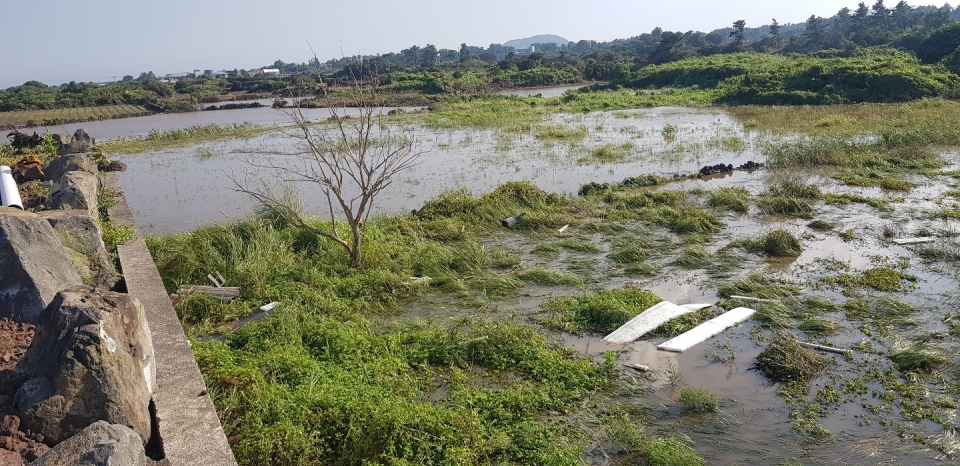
<point x="648" y="320"/>
<point x="707" y="330"/>
<point x="907" y="241"/>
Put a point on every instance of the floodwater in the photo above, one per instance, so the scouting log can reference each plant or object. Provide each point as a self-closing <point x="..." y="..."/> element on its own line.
<point x="103" y="130"/>
<point x="178" y="189"/>
<point x="551" y="91"/>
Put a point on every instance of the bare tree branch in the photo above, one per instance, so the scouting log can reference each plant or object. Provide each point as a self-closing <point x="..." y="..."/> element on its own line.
<point x="350" y="160"/>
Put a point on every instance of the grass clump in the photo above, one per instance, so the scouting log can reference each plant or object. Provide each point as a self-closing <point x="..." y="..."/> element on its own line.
<point x="776" y="243"/>
<point x="843" y="199"/>
<point x="922" y="357"/>
<point x="695" y="256"/>
<point x="698" y="400"/>
<point x="873" y="178"/>
<point x="600" y="312"/>
<point x="549" y="277"/>
<point x="560" y="133"/>
<point x="784" y="205"/>
<point x="819" y="326"/>
<point x="671" y="452"/>
<point x="786" y="360"/>
<point x="627" y="254"/>
<point x="609" y="153"/>
<point x="157" y="139"/>
<point x="878" y="278"/>
<point x="759" y="286"/>
<point x="821" y="225"/>
<point x="733" y="198"/>
<point x="541" y="210"/>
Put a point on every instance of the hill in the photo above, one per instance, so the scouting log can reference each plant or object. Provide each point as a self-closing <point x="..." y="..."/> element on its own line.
<point x="541" y="39"/>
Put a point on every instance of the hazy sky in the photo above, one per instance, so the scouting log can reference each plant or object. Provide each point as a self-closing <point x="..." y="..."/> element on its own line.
<point x="56" y="41"/>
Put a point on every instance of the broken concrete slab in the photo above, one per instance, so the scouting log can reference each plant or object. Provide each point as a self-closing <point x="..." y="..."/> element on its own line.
<point x="909" y="241"/>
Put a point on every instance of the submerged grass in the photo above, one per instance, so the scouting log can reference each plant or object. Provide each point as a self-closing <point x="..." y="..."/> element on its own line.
<point x="786" y="360"/>
<point x="776" y="243"/>
<point x="698" y="400"/>
<point x="158" y="139"/>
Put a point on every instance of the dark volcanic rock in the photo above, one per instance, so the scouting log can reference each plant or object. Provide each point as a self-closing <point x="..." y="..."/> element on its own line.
<point x="34" y="265"/>
<point x="100" y="444"/>
<point x="91" y="359"/>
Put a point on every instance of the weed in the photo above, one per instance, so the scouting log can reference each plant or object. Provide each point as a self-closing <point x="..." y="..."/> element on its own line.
<point x="821" y="225"/>
<point x="695" y="256"/>
<point x="786" y="360"/>
<point x="759" y="286"/>
<point x="600" y="312"/>
<point x="548" y="277"/>
<point x="922" y="357"/>
<point x="819" y="326"/>
<point x="776" y="243"/>
<point x="698" y="400"/>
<point x="609" y="153"/>
<point x="782" y="205"/>
<point x="734" y="198"/>
<point x="671" y="452"/>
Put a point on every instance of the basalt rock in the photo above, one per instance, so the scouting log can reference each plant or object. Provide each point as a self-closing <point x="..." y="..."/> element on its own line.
<point x="91" y="359"/>
<point x="79" y="142"/>
<point x="100" y="444"/>
<point x="68" y="163"/>
<point x="81" y="235"/>
<point x="76" y="190"/>
<point x="34" y="265"/>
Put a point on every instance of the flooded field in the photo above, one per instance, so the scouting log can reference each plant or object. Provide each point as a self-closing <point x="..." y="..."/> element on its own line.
<point x="603" y="147"/>
<point x="893" y="400"/>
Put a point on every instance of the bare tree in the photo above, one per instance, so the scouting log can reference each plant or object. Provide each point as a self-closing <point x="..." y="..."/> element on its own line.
<point x="350" y="158"/>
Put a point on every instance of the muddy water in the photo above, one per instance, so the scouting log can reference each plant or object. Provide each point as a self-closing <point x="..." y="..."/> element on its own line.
<point x="103" y="130"/>
<point x="199" y="187"/>
<point x="754" y="423"/>
<point x="550" y="91"/>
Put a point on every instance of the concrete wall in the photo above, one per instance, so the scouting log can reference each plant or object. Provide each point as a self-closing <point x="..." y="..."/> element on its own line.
<point x="188" y="423"/>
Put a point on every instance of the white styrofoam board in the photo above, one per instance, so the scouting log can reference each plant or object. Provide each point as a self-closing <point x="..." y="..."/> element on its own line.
<point x="648" y="320"/>
<point x="707" y="330"/>
<point x="695" y="307"/>
<point x="921" y="240"/>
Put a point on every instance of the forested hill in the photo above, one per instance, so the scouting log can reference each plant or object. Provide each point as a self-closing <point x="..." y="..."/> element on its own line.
<point x="540" y="39"/>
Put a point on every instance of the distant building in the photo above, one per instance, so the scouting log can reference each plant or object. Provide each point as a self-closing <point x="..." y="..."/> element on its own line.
<point x="271" y="71"/>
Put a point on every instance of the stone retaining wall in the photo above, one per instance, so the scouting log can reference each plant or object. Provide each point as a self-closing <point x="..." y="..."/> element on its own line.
<point x="108" y="374"/>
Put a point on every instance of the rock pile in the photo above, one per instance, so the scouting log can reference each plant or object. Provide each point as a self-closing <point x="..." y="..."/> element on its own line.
<point x="76" y="387"/>
<point x="726" y="168"/>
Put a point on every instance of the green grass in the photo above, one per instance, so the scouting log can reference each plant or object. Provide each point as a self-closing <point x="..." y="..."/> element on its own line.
<point x="158" y="139"/>
<point x="878" y="278"/>
<point x="560" y="133"/>
<point x="784" y="205"/>
<point x="733" y="198"/>
<point x="922" y="357"/>
<point x="671" y="452"/>
<point x="608" y="153"/>
<point x="549" y="277"/>
<point x="698" y="400"/>
<point x="600" y="312"/>
<point x="785" y="360"/>
<point x="776" y="243"/>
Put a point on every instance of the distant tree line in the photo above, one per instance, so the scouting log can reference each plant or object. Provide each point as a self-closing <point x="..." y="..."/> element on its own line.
<point x="930" y="33"/>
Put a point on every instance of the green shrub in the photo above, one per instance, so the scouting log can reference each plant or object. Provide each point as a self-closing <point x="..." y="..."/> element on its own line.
<point x="698" y="400"/>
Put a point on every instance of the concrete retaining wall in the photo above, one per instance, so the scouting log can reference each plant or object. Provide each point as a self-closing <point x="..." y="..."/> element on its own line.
<point x="188" y="423"/>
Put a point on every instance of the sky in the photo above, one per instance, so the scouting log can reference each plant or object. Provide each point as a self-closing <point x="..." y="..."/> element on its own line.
<point x="57" y="41"/>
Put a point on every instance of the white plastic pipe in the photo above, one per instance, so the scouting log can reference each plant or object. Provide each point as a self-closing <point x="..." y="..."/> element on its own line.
<point x="9" y="193"/>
